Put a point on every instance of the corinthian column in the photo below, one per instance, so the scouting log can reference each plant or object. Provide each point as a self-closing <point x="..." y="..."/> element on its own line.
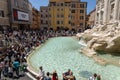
<point x="116" y="11"/>
<point x="105" y="11"/>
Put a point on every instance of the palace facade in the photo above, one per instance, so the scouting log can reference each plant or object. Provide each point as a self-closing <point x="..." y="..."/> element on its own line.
<point x="107" y="11"/>
<point x="69" y="14"/>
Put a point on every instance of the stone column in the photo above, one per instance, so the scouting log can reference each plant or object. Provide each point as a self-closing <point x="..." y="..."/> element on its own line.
<point x="96" y="16"/>
<point x="106" y="5"/>
<point x="116" y="10"/>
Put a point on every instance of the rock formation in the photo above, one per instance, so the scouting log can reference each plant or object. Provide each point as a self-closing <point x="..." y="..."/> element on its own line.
<point x="103" y="38"/>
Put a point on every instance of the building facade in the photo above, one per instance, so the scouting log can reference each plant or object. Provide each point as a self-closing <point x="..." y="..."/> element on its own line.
<point x="44" y="17"/>
<point x="4" y="19"/>
<point x="35" y="19"/>
<point x="20" y="14"/>
<point x="107" y="11"/>
<point x="78" y="15"/>
<point x="91" y="19"/>
<point x="59" y="11"/>
<point x="67" y="14"/>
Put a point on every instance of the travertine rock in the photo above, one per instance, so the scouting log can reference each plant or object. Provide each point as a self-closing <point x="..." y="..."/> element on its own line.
<point x="103" y="38"/>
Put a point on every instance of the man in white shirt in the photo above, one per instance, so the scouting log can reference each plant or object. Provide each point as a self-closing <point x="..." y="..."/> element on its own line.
<point x="41" y="73"/>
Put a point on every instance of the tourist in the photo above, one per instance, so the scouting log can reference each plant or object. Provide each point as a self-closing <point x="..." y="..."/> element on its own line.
<point x="54" y="75"/>
<point x="68" y="73"/>
<point x="5" y="69"/>
<point x="47" y="77"/>
<point x="18" y="44"/>
<point x="73" y="76"/>
<point x="1" y="67"/>
<point x="41" y="73"/>
<point x="98" y="77"/>
<point x="93" y="77"/>
<point x="10" y="71"/>
<point x="16" y="66"/>
<point x="24" y="65"/>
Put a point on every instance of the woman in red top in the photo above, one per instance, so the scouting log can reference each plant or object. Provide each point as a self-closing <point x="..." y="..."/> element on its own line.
<point x="54" y="76"/>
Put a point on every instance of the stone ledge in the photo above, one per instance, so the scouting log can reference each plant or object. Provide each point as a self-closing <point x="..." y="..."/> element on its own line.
<point x="92" y="54"/>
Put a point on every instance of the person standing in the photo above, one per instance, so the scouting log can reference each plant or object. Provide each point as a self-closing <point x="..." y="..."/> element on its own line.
<point x="41" y="73"/>
<point x="1" y="68"/>
<point x="16" y="66"/>
<point x="54" y="75"/>
<point x="5" y="69"/>
<point x="98" y="77"/>
<point x="10" y="71"/>
<point x="47" y="77"/>
<point x="68" y="73"/>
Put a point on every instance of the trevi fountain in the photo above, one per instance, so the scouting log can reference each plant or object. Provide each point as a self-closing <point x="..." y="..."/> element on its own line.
<point x="96" y="50"/>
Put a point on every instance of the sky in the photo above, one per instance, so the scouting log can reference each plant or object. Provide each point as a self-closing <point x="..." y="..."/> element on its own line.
<point x="37" y="3"/>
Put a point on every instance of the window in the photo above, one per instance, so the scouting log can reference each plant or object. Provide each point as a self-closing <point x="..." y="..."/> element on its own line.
<point x="65" y="4"/>
<point x="81" y="5"/>
<point x="62" y="16"/>
<point x="81" y="24"/>
<point x="41" y="15"/>
<point x="58" y="4"/>
<point x="61" y="4"/>
<point x="73" y="5"/>
<point x="69" y="22"/>
<point x="81" y="17"/>
<point x="1" y="13"/>
<point x="81" y="11"/>
<point x="52" y="4"/>
<point x="58" y="16"/>
<point x="73" y="11"/>
<point x="25" y="4"/>
<point x="58" y="22"/>
<point x="15" y="3"/>
<point x="41" y="21"/>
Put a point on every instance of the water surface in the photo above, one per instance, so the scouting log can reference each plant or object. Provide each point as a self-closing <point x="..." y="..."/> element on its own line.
<point x="62" y="53"/>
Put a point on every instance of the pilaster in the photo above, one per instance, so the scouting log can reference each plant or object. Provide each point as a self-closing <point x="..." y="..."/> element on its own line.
<point x="115" y="16"/>
<point x="106" y="3"/>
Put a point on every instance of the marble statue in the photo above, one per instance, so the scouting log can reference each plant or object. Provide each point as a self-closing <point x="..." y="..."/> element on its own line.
<point x="103" y="38"/>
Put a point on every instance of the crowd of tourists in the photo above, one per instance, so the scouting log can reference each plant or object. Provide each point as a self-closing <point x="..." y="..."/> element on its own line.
<point x="15" y="45"/>
<point x="54" y="76"/>
<point x="66" y="75"/>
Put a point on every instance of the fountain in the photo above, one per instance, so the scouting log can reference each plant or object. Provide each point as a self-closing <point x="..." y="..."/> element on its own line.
<point x="62" y="53"/>
<point x="103" y="38"/>
<point x="82" y="42"/>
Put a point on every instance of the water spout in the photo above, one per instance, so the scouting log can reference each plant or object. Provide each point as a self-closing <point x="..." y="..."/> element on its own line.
<point x="82" y="42"/>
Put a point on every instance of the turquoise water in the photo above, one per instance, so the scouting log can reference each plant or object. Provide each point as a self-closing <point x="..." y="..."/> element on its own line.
<point x="62" y="53"/>
<point x="108" y="56"/>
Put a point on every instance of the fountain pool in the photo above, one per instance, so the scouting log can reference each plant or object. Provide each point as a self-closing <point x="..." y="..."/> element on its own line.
<point x="62" y="53"/>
